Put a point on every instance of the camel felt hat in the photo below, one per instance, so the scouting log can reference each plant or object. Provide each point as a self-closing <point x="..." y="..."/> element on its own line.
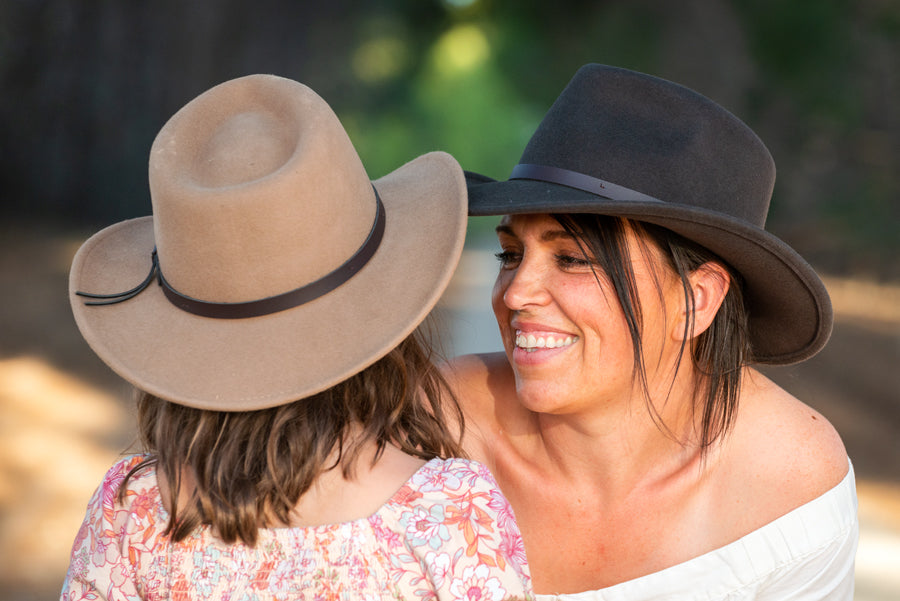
<point x="272" y="268"/>
<point x="621" y="143"/>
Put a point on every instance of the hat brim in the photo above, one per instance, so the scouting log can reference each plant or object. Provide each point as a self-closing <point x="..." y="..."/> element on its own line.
<point x="259" y="362"/>
<point x="789" y="309"/>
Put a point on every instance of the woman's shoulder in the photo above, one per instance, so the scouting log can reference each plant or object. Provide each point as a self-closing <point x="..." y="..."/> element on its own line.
<point x="482" y="382"/>
<point x="783" y="447"/>
<point x="479" y="373"/>
<point x="485" y="386"/>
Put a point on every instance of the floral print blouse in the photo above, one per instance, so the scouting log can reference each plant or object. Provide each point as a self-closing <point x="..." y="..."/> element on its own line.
<point x="447" y="534"/>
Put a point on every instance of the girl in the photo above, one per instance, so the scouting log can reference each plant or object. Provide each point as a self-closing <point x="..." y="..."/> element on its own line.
<point x="292" y="419"/>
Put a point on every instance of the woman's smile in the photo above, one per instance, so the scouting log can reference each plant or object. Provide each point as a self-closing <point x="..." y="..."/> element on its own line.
<point x="533" y="347"/>
<point x="531" y="342"/>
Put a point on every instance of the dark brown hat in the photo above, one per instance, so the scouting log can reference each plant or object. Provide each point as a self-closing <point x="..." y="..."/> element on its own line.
<point x="622" y="143"/>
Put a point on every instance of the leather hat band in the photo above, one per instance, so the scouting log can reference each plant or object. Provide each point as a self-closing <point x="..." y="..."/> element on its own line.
<point x="264" y="306"/>
<point x="579" y="181"/>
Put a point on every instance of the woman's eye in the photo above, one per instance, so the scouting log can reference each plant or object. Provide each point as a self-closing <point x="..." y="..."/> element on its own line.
<point x="570" y="261"/>
<point x="508" y="258"/>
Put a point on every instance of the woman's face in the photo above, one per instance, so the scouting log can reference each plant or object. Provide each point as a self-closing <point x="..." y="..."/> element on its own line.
<point x="564" y="333"/>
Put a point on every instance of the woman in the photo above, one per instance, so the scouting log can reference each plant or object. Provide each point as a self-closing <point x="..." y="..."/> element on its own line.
<point x="289" y="412"/>
<point x="644" y="456"/>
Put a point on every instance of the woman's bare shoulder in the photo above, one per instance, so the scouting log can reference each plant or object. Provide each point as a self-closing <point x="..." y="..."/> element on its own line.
<point x="477" y="378"/>
<point x="784" y="446"/>
<point x="485" y="388"/>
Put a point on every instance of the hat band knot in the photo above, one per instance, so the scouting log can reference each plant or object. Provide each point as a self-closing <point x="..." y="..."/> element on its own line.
<point x="579" y="181"/>
<point x="264" y="306"/>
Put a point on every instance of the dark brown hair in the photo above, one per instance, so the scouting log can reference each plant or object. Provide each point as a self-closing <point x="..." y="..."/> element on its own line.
<point x="249" y="469"/>
<point x="717" y="354"/>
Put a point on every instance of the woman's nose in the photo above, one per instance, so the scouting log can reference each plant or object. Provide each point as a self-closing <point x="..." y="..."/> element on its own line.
<point x="525" y="286"/>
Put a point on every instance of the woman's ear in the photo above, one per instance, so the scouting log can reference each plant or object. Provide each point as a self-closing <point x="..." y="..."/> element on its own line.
<point x="709" y="284"/>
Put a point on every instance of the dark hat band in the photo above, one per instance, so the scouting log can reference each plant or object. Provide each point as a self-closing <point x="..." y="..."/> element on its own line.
<point x="264" y="306"/>
<point x="579" y="181"/>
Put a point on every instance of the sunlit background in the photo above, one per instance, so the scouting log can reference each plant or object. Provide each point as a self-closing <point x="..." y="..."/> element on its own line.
<point x="86" y="86"/>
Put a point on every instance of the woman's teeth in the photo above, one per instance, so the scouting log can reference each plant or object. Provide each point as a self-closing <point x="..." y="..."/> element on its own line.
<point x="530" y="342"/>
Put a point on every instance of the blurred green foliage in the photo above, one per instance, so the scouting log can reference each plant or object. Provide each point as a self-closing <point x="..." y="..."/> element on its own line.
<point x="88" y="84"/>
<point x="806" y="48"/>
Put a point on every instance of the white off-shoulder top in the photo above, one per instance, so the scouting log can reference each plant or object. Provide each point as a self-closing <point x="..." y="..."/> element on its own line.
<point x="805" y="555"/>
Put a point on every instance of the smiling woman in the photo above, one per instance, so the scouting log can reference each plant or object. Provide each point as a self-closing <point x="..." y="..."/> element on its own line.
<point x="644" y="455"/>
<point x="568" y="262"/>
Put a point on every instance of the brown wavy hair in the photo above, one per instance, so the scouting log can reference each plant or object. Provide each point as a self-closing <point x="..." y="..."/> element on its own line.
<point x="717" y="355"/>
<point x="248" y="469"/>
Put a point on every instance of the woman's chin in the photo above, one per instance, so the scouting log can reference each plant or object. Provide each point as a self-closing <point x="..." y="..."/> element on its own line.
<point x="539" y="397"/>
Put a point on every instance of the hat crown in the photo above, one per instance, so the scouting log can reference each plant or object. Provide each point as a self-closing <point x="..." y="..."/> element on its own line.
<point x="245" y="147"/>
<point x="256" y="190"/>
<point x="658" y="138"/>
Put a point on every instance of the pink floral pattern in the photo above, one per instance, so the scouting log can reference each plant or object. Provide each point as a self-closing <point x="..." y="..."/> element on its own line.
<point x="447" y="534"/>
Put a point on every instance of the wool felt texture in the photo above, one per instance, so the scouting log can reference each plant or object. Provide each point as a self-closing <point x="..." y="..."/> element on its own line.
<point x="257" y="190"/>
